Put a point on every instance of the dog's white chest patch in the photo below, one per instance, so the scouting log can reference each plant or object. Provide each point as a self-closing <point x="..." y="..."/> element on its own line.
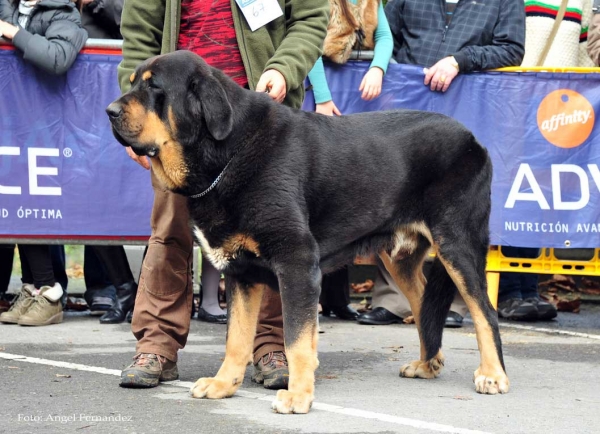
<point x="217" y="256"/>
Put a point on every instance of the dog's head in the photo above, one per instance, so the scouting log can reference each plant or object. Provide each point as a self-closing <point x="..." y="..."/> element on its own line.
<point x="175" y="100"/>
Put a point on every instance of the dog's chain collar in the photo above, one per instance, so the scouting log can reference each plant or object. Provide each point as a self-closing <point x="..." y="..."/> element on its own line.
<point x="216" y="181"/>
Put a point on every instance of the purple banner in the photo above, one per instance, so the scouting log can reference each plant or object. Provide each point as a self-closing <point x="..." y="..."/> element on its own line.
<point x="61" y="171"/>
<point x="540" y="131"/>
<point x="63" y="175"/>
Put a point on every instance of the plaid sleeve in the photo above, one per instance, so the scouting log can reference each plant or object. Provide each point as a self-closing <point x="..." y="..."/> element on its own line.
<point x="508" y="44"/>
<point x="394" y="17"/>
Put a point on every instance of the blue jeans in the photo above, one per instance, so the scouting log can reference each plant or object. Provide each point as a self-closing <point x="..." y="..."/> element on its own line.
<point x="518" y="285"/>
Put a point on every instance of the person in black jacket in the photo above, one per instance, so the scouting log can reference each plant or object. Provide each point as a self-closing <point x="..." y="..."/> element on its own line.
<point x="101" y="18"/>
<point x="47" y="32"/>
<point x="452" y="37"/>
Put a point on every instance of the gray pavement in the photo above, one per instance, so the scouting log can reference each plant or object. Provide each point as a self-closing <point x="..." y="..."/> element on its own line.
<point x="64" y="378"/>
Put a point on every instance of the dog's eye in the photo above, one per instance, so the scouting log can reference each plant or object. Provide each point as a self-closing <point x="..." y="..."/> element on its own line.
<point x="152" y="84"/>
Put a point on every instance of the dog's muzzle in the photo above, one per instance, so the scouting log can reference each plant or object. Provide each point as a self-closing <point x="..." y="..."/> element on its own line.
<point x="114" y="111"/>
<point x="115" y="115"/>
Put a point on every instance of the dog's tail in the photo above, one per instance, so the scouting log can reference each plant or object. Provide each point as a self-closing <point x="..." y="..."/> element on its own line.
<point x="437" y="298"/>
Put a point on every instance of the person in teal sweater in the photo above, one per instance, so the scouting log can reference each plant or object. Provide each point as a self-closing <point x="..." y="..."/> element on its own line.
<point x="350" y="26"/>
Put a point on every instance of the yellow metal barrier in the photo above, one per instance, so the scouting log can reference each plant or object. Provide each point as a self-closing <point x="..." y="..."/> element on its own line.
<point x="546" y="263"/>
<point x="576" y="69"/>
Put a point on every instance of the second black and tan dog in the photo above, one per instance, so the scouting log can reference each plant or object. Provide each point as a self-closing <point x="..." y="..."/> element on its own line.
<point x="279" y="196"/>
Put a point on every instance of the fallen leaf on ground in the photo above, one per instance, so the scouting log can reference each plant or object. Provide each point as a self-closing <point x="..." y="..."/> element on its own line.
<point x="76" y="303"/>
<point x="63" y="375"/>
<point x="13" y="367"/>
<point x="559" y="282"/>
<point x="75" y="272"/>
<point x="327" y="377"/>
<point x="564" y="301"/>
<point x="362" y="287"/>
<point x="589" y="286"/>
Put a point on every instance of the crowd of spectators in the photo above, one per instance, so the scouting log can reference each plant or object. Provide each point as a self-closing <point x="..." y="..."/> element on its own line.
<point x="447" y="38"/>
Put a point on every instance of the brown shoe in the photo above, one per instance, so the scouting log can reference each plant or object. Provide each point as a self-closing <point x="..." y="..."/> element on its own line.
<point x="20" y="305"/>
<point x="147" y="370"/>
<point x="272" y="371"/>
<point x="46" y="308"/>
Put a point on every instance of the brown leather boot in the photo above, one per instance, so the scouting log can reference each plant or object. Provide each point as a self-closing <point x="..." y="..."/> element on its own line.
<point x="147" y="370"/>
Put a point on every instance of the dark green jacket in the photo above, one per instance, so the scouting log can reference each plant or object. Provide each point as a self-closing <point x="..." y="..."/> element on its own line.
<point x="290" y="44"/>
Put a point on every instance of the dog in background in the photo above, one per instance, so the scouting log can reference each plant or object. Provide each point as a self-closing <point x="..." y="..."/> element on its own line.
<point x="272" y="192"/>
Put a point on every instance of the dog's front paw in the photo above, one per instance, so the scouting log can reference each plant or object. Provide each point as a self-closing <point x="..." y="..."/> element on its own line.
<point x="213" y="388"/>
<point x="287" y="402"/>
<point x="420" y="369"/>
<point x="490" y="384"/>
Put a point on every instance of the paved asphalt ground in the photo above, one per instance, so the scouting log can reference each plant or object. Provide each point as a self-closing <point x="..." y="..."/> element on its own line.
<point x="64" y="379"/>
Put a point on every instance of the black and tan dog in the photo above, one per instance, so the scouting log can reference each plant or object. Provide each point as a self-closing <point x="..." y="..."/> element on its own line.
<point x="274" y="194"/>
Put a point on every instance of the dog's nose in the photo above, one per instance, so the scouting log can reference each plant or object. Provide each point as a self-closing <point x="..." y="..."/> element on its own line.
<point x="114" y="110"/>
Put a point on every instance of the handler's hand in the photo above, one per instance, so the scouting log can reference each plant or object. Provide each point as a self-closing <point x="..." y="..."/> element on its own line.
<point x="272" y="81"/>
<point x="8" y="30"/>
<point x="440" y="75"/>
<point x="141" y="160"/>
<point x="371" y="84"/>
<point x="328" y="108"/>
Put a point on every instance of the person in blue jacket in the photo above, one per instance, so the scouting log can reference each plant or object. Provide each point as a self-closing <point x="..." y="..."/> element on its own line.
<point x="353" y="26"/>
<point x="361" y="26"/>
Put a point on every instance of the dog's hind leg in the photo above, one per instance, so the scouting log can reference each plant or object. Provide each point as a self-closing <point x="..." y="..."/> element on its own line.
<point x="243" y="306"/>
<point x="468" y="273"/>
<point x="299" y="283"/>
<point x="408" y="275"/>
<point x="435" y="304"/>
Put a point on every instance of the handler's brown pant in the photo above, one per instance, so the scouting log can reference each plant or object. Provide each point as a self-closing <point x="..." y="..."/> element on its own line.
<point x="161" y="319"/>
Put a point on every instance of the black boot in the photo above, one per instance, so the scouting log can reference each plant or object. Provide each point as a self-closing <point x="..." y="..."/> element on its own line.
<point x="122" y="305"/>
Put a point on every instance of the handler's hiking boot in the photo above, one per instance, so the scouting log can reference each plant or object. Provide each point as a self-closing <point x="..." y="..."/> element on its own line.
<point x="147" y="370"/>
<point x="272" y="371"/>
<point x="46" y="308"/>
<point x="20" y="305"/>
<point x="518" y="310"/>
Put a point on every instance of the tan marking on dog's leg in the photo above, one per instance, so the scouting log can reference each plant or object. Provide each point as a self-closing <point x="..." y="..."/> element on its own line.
<point x="302" y="362"/>
<point x="413" y="287"/>
<point x="238" y="243"/>
<point x="241" y="329"/>
<point x="490" y="377"/>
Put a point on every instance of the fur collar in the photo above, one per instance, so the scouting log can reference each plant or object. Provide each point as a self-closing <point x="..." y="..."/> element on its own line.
<point x="342" y="37"/>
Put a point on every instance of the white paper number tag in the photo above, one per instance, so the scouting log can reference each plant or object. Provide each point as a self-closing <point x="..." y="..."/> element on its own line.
<point x="259" y="12"/>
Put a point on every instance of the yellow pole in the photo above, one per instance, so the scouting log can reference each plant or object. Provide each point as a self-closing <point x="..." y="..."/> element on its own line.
<point x="493" y="282"/>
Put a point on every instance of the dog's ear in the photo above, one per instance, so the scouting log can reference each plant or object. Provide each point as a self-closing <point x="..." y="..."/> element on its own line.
<point x="208" y="99"/>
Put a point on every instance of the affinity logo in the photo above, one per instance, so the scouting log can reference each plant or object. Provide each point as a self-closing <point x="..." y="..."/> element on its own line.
<point x="565" y="118"/>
